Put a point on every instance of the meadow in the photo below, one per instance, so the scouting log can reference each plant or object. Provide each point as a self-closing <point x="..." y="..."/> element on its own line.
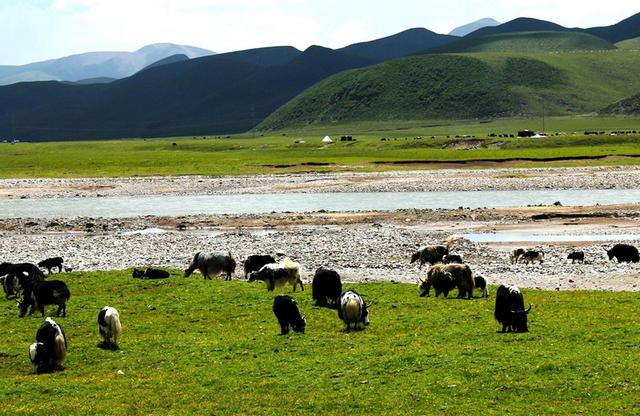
<point x="377" y="145"/>
<point x="191" y="346"/>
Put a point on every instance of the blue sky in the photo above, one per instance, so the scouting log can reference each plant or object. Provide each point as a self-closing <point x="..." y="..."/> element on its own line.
<point x="34" y="30"/>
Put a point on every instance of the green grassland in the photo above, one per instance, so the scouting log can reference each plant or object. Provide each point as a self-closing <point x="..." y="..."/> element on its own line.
<point x="254" y="154"/>
<point x="466" y="86"/>
<point x="191" y="346"/>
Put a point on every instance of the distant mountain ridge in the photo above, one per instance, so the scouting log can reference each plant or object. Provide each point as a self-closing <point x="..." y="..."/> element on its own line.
<point x="96" y="64"/>
<point x="464" y="30"/>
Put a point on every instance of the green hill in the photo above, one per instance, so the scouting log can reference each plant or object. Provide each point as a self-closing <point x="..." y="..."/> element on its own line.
<point x="633" y="44"/>
<point x="465" y="86"/>
<point x="529" y="42"/>
<point x="629" y="107"/>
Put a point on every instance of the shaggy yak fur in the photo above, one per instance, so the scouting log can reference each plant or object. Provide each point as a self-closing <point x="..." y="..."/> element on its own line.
<point x="446" y="277"/>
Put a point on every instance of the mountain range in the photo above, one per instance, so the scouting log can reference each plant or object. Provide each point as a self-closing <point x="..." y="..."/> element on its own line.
<point x="96" y="64"/>
<point x="503" y="71"/>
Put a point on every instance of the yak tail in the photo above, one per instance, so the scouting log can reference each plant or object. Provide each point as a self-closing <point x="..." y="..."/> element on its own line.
<point x="59" y="348"/>
<point x="451" y="241"/>
<point x="352" y="311"/>
<point x="290" y="264"/>
<point x="113" y="321"/>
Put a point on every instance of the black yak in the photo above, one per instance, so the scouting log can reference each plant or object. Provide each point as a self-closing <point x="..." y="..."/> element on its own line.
<point x="446" y="277"/>
<point x="452" y="258"/>
<point x="53" y="292"/>
<point x="278" y="274"/>
<point x="10" y="285"/>
<point x="530" y="256"/>
<point x="433" y="254"/>
<point x="212" y="265"/>
<point x="18" y="269"/>
<point x="109" y="326"/>
<point x="480" y="282"/>
<point x="50" y="348"/>
<point x="510" y="310"/>
<point x="255" y="262"/>
<point x="150" y="273"/>
<point x="515" y="255"/>
<point x="576" y="256"/>
<point x="52" y="262"/>
<point x="326" y="287"/>
<point x="353" y="310"/>
<point x="624" y="253"/>
<point x="286" y="310"/>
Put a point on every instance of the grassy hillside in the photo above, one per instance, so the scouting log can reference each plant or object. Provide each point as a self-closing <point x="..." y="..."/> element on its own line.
<point x="279" y="154"/>
<point x="465" y="86"/>
<point x="633" y="44"/>
<point x="191" y="346"/>
<point x="628" y="106"/>
<point x="528" y="42"/>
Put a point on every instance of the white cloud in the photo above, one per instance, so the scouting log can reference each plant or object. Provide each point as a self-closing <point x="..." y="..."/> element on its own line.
<point x="351" y="31"/>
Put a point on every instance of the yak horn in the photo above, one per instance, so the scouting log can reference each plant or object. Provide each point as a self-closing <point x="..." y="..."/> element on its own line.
<point x="527" y="311"/>
<point x="370" y="304"/>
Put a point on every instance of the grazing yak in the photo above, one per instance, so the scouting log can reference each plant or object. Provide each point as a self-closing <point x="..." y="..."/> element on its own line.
<point x="212" y="265"/>
<point x="433" y="254"/>
<point x="452" y="258"/>
<point x="50" y="348"/>
<point x="286" y="310"/>
<point x="576" y="256"/>
<point x="41" y="294"/>
<point x="480" y="282"/>
<point x="516" y="254"/>
<point x="10" y="285"/>
<point x="353" y="310"/>
<point x="446" y="277"/>
<point x="52" y="262"/>
<point x="109" y="327"/>
<point x="624" y="253"/>
<point x="255" y="262"/>
<point x="509" y="309"/>
<point x="18" y="269"/>
<point x="278" y="274"/>
<point x="530" y="256"/>
<point x="150" y="273"/>
<point x="326" y="287"/>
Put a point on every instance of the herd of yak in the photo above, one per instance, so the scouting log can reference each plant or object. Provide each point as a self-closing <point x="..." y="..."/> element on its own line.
<point x="447" y="271"/>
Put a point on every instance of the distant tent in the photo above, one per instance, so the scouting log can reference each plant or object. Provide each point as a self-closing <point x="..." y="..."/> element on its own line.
<point x="327" y="139"/>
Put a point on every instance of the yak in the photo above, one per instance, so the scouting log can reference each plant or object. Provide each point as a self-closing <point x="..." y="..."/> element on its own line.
<point x="286" y="310"/>
<point x="353" y="310"/>
<point x="624" y="253"/>
<point x="50" y="348"/>
<point x="480" y="282"/>
<point x="255" y="262"/>
<point x="52" y="292"/>
<point x="446" y="277"/>
<point x="516" y="254"/>
<point x="433" y="254"/>
<point x="278" y="274"/>
<point x="18" y="269"/>
<point x="109" y="327"/>
<point x="530" y="256"/>
<point x="10" y="285"/>
<point x="452" y="258"/>
<point x="150" y="273"/>
<point x="576" y="256"/>
<point x="509" y="310"/>
<point x="212" y="264"/>
<point x="326" y="287"/>
<point x="52" y="262"/>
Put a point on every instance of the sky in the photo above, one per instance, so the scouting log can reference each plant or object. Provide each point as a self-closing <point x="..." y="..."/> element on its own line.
<point x="35" y="30"/>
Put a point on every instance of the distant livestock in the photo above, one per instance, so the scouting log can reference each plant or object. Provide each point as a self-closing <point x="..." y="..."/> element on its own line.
<point x="624" y="253"/>
<point x="150" y="273"/>
<point x="212" y="265"/>
<point x="452" y="258"/>
<point x="445" y="277"/>
<point x="532" y="256"/>
<point x="326" y="287"/>
<point x="109" y="326"/>
<point x="353" y="310"/>
<point x="516" y="254"/>
<point x="509" y="309"/>
<point x="52" y="262"/>
<point x="286" y="310"/>
<point x="255" y="262"/>
<point x="480" y="282"/>
<point x="50" y="348"/>
<point x="576" y="256"/>
<point x="52" y="292"/>
<point x="278" y="274"/>
<point x="433" y="254"/>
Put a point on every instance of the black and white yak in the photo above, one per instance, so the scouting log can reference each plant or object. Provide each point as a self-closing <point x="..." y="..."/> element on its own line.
<point x="109" y="327"/>
<point x="22" y="269"/>
<point x="41" y="294"/>
<point x="150" y="273"/>
<point x="510" y="310"/>
<point x="212" y="264"/>
<point x="50" y="348"/>
<point x="515" y="255"/>
<point x="52" y="262"/>
<point x="10" y="285"/>
<point x="326" y="287"/>
<point x="624" y="253"/>
<point x="286" y="310"/>
<point x="353" y="310"/>
<point x="433" y="254"/>
<point x="445" y="277"/>
<point x="255" y="262"/>
<point x="480" y="282"/>
<point x="278" y="274"/>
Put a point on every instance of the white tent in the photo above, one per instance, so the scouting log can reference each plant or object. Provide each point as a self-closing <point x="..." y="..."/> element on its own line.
<point x="327" y="139"/>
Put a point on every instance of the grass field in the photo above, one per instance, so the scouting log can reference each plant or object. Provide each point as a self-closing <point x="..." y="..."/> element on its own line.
<point x="252" y="153"/>
<point x="191" y="346"/>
